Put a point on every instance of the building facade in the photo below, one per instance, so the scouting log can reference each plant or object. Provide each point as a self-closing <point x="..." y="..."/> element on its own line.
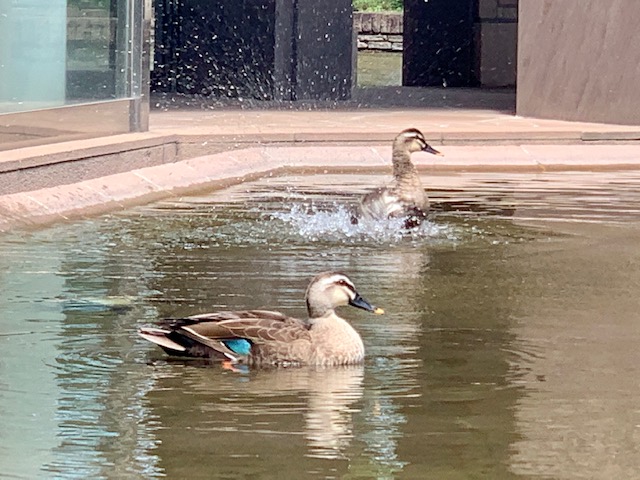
<point x="71" y="69"/>
<point x="579" y="60"/>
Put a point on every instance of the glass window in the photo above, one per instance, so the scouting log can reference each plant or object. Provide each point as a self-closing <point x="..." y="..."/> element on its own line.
<point x="61" y="52"/>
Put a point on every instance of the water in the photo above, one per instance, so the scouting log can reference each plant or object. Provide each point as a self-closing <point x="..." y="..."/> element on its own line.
<point x="508" y="350"/>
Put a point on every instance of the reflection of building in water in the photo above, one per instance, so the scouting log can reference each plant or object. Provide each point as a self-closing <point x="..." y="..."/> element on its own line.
<point x="28" y="389"/>
<point x="66" y="392"/>
<point x="460" y="414"/>
<point x="102" y="394"/>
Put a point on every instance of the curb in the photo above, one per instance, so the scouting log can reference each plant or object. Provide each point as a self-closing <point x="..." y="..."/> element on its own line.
<point x="121" y="190"/>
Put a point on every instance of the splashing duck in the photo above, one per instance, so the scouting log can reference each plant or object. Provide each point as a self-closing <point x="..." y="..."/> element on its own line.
<point x="405" y="196"/>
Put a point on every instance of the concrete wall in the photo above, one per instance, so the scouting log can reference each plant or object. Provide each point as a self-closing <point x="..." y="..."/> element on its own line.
<point x="579" y="60"/>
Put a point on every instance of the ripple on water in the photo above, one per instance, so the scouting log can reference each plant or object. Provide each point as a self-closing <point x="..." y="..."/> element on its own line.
<point x="80" y="289"/>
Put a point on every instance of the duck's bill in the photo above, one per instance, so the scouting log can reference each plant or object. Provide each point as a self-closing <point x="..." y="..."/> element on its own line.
<point x="360" y="302"/>
<point x="430" y="149"/>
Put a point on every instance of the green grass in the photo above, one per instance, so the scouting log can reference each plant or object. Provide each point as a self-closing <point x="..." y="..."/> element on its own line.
<point x="377" y="69"/>
<point x="377" y="5"/>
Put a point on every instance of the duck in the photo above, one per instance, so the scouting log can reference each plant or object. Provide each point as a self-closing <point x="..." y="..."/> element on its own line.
<point x="263" y="338"/>
<point x="405" y="196"/>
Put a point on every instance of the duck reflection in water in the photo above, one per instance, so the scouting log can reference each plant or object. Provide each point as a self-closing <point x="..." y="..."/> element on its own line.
<point x="237" y="414"/>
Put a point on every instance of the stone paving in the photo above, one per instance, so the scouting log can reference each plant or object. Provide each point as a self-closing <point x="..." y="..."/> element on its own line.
<point x="442" y="125"/>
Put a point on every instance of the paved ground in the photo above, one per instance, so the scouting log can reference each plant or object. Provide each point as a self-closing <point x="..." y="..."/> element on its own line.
<point x="469" y="116"/>
<point x="443" y="125"/>
<point x="198" y="147"/>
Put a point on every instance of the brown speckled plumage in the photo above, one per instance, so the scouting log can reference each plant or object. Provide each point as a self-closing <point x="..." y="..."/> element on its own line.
<point x="405" y="196"/>
<point x="275" y="339"/>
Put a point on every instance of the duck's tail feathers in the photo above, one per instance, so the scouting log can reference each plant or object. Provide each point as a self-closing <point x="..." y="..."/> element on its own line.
<point x="188" y="343"/>
<point x="159" y="336"/>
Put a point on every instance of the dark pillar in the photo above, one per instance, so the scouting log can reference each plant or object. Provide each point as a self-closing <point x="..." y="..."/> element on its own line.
<point x="217" y="49"/>
<point x="284" y="70"/>
<point x="324" y="41"/>
<point x="256" y="49"/>
<point x="439" y="43"/>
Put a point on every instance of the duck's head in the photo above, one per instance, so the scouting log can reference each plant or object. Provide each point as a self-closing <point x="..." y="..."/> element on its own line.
<point x="413" y="140"/>
<point x="329" y="290"/>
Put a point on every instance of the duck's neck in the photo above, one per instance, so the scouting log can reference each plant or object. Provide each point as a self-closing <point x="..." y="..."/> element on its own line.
<point x="318" y="311"/>
<point x="402" y="166"/>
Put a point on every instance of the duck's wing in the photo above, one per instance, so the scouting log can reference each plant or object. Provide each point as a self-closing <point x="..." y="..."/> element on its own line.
<point x="381" y="204"/>
<point x="232" y="335"/>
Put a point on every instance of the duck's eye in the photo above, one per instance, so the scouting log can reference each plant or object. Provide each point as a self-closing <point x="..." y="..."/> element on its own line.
<point x="345" y="284"/>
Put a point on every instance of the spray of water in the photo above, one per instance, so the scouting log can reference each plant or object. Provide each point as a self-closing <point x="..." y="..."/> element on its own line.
<point x="319" y="224"/>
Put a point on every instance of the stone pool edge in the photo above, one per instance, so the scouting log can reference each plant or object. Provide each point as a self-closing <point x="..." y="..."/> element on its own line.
<point x="143" y="185"/>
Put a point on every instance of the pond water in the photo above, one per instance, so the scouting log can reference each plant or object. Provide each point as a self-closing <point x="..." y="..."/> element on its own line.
<point x="509" y="348"/>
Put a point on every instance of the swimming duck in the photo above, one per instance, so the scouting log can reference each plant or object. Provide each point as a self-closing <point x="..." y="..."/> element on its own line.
<point x="405" y="196"/>
<point x="266" y="338"/>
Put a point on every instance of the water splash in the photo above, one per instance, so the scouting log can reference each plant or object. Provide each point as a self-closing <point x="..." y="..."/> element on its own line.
<point x="318" y="224"/>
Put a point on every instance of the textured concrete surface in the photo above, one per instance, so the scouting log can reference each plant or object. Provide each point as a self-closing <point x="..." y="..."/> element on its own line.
<point x="440" y="125"/>
<point x="578" y="60"/>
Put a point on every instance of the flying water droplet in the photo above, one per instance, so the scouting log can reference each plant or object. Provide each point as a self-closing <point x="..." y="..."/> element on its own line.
<point x="335" y="225"/>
